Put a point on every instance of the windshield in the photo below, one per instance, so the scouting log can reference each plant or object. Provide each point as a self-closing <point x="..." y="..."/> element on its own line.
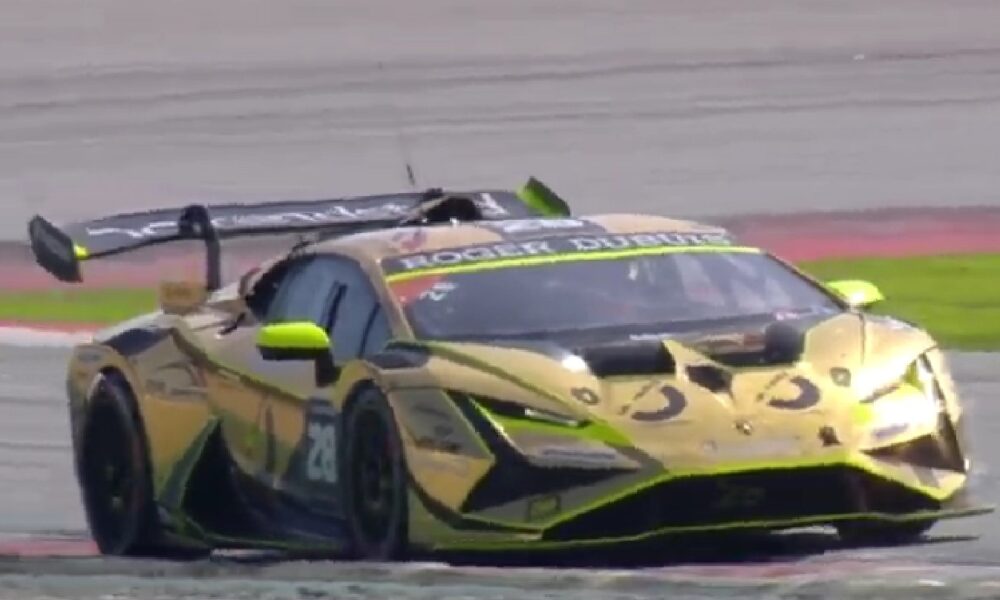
<point x="656" y="292"/>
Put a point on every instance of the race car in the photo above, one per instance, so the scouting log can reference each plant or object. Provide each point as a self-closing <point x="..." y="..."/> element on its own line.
<point x="485" y="370"/>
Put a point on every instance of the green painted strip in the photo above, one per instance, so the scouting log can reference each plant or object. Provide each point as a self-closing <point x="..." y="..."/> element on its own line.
<point x="843" y="459"/>
<point x="173" y="488"/>
<point x="531" y="261"/>
<point x="593" y="430"/>
<point x="609" y="433"/>
<point x="721" y="527"/>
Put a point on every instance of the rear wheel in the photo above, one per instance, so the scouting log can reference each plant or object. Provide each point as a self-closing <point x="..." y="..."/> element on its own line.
<point x="375" y="479"/>
<point x="113" y="468"/>
<point x="882" y="534"/>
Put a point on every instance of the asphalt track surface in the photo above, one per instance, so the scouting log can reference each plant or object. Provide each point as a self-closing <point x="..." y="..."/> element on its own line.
<point x="700" y="107"/>
<point x="688" y="108"/>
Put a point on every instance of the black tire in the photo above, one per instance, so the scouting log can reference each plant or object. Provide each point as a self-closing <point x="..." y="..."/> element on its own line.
<point x="864" y="533"/>
<point x="114" y="473"/>
<point x="374" y="478"/>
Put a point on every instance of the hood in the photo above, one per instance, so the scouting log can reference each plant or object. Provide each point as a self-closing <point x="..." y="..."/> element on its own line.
<point x="793" y="387"/>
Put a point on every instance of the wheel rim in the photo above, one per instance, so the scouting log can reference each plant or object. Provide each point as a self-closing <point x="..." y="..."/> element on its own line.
<point x="373" y="477"/>
<point x="110" y="475"/>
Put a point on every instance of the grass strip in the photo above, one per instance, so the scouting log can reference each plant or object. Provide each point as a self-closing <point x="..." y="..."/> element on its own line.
<point x="956" y="297"/>
<point x="73" y="306"/>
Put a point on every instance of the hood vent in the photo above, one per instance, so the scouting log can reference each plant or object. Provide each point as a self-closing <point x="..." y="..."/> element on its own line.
<point x="632" y="358"/>
<point x="711" y="378"/>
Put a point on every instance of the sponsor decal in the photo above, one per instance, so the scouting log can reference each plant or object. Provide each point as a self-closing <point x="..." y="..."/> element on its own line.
<point x="281" y="215"/>
<point x="578" y="454"/>
<point x="437" y="444"/>
<point x="551" y="247"/>
<point x="533" y="228"/>
<point x="545" y="506"/>
<point x="890" y="431"/>
<point x="732" y="496"/>
<point x="650" y="337"/>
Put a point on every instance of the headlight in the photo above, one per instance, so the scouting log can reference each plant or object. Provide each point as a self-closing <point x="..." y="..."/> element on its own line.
<point x="919" y="375"/>
<point x="513" y="410"/>
<point x="919" y="404"/>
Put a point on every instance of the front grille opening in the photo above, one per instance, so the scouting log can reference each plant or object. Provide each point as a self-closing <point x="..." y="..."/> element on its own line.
<point x="513" y="478"/>
<point x="751" y="496"/>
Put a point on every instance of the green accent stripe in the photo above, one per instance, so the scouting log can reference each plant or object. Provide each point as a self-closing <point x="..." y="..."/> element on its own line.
<point x="722" y="527"/>
<point x="594" y="431"/>
<point x="835" y="460"/>
<point x="174" y="488"/>
<point x="602" y="428"/>
<point x="531" y="261"/>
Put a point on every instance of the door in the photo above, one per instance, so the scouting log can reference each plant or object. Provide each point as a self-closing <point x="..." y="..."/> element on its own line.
<point x="357" y="328"/>
<point x="281" y="428"/>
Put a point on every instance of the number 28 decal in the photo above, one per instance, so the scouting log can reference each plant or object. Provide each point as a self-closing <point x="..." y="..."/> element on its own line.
<point x="319" y="443"/>
<point x="321" y="462"/>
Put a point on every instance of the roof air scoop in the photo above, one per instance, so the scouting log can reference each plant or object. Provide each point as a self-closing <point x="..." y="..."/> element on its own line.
<point x="437" y="206"/>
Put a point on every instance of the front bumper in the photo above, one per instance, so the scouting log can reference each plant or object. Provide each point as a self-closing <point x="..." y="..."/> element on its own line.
<point x="770" y="499"/>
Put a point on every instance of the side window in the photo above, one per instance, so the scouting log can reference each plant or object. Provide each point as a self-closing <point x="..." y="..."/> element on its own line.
<point x="379" y="333"/>
<point x="350" y="322"/>
<point x="307" y="293"/>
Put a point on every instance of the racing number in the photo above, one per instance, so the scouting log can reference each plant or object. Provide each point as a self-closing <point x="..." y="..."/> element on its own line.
<point x="321" y="463"/>
<point x="314" y="463"/>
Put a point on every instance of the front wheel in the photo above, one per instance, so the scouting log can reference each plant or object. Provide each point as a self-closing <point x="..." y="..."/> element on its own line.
<point x="375" y="479"/>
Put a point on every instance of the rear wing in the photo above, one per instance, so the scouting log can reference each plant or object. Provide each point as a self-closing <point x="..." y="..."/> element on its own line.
<point x="61" y="250"/>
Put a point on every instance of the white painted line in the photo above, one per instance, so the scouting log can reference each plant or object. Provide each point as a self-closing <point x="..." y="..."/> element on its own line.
<point x="26" y="337"/>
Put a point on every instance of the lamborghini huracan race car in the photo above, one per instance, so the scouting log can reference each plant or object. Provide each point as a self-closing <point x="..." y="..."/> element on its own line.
<point x="484" y="370"/>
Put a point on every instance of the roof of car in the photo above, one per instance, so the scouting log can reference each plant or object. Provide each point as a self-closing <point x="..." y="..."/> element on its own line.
<point x="388" y="243"/>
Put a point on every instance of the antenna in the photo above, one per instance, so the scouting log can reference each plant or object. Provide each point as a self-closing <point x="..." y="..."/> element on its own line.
<point x="401" y="139"/>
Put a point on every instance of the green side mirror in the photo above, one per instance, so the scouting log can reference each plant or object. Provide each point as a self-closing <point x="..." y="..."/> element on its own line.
<point x="857" y="293"/>
<point x="293" y="341"/>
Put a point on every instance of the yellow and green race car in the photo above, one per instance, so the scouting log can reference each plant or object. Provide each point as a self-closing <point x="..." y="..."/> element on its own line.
<point x="486" y="371"/>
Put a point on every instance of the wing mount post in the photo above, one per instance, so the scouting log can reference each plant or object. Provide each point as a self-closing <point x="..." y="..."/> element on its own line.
<point x="196" y="223"/>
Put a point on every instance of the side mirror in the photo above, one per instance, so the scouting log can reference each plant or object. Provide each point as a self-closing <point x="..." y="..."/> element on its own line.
<point x="293" y="341"/>
<point x="857" y="293"/>
<point x="299" y="341"/>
